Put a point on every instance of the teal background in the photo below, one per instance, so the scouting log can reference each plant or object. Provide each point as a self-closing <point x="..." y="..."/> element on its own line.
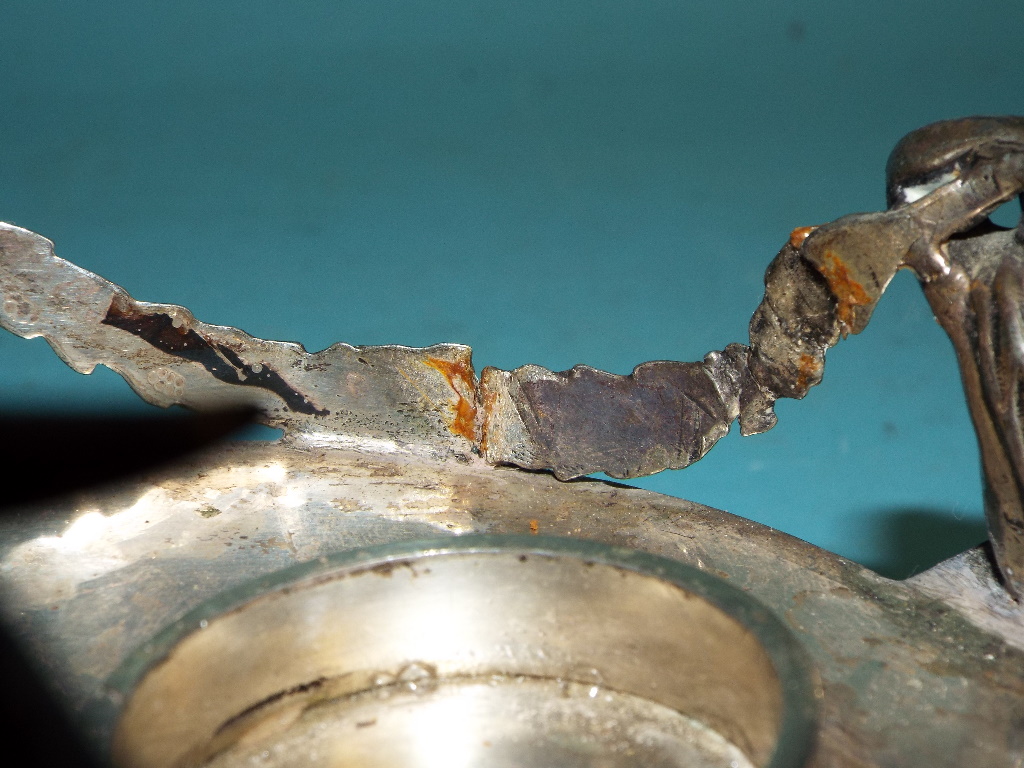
<point x="550" y="182"/>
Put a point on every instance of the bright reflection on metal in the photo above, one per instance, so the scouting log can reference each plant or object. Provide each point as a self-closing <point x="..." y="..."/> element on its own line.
<point x="437" y="737"/>
<point x="273" y="473"/>
<point x="356" y="443"/>
<point x="292" y="497"/>
<point x="915" y="193"/>
<point x="474" y="651"/>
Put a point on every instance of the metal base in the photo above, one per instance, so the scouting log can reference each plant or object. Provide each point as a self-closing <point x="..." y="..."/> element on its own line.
<point x="479" y="651"/>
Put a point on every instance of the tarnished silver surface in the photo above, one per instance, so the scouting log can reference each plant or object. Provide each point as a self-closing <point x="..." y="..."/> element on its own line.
<point x="944" y="180"/>
<point x="393" y="395"/>
<point x="498" y="722"/>
<point x="386" y="444"/>
<point x="516" y="650"/>
<point x="975" y="287"/>
<point x="911" y="675"/>
<point x="823" y="286"/>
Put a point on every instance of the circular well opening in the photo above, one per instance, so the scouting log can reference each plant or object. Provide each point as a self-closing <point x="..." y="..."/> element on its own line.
<point x="472" y="651"/>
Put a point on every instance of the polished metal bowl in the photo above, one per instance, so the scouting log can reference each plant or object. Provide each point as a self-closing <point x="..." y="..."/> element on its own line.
<point x="472" y="651"/>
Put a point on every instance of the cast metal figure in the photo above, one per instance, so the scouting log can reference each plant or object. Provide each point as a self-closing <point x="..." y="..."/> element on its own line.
<point x="972" y="273"/>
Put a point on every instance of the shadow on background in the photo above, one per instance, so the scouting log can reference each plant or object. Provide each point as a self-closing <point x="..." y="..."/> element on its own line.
<point x="911" y="540"/>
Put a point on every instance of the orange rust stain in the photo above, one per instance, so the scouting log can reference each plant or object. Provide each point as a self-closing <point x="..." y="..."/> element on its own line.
<point x="798" y="235"/>
<point x="848" y="292"/>
<point x="460" y="378"/>
<point x="807" y="368"/>
<point x="534" y="526"/>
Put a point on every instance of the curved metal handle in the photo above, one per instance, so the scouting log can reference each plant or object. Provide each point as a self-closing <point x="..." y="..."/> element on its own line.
<point x="943" y="181"/>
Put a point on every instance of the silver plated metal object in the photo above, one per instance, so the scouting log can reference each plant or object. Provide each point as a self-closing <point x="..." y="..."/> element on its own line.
<point x="474" y="650"/>
<point x="388" y="444"/>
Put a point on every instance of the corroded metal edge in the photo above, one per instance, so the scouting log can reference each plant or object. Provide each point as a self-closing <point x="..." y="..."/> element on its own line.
<point x="383" y="397"/>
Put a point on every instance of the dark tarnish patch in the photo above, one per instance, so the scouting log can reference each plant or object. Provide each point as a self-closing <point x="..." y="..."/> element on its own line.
<point x="461" y="379"/>
<point x="224" y="364"/>
<point x="662" y="415"/>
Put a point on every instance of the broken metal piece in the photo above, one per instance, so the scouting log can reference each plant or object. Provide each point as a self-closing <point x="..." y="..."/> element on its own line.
<point x="944" y="180"/>
<point x="663" y="415"/>
<point x="366" y="461"/>
<point x="822" y="286"/>
<point x="393" y="397"/>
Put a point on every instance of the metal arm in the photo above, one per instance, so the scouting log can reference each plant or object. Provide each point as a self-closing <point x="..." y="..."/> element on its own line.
<point x="943" y="181"/>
